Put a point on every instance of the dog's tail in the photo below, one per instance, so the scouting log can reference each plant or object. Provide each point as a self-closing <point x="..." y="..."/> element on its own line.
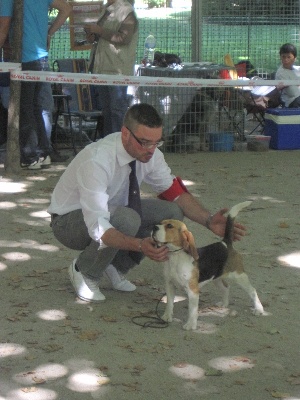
<point x="228" y="237"/>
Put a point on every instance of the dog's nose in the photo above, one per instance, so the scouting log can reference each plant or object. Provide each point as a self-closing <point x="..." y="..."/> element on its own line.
<point x="155" y="228"/>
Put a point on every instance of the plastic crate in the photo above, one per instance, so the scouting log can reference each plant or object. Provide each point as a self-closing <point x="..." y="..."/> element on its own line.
<point x="258" y="142"/>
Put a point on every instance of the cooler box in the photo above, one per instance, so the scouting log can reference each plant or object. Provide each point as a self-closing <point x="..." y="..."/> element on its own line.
<point x="283" y="125"/>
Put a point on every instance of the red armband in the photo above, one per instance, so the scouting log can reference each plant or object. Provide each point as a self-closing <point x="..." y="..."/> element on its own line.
<point x="174" y="191"/>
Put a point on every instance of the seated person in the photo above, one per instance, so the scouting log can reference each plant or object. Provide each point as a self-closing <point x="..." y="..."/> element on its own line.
<point x="290" y="95"/>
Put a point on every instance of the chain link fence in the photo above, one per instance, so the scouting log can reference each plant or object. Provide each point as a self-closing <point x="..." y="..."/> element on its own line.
<point x="246" y="30"/>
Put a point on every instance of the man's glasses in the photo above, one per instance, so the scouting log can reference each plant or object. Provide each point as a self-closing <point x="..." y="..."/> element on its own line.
<point x="144" y="143"/>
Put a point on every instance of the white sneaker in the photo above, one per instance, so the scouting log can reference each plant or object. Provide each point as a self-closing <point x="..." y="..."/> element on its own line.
<point x="86" y="289"/>
<point x="45" y="161"/>
<point x="33" y="165"/>
<point x="118" y="280"/>
<point x="42" y="162"/>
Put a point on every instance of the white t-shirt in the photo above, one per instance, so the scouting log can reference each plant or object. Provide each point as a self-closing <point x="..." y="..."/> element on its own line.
<point x="290" y="93"/>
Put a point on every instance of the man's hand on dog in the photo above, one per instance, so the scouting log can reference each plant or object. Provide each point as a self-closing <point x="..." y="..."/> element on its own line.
<point x="218" y="223"/>
<point x="150" y="249"/>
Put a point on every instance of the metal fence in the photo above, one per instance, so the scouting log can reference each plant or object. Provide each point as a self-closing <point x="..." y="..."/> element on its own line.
<point x="247" y="30"/>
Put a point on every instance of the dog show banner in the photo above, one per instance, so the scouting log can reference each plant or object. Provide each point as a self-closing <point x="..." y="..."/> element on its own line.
<point x="122" y="80"/>
<point x="82" y="13"/>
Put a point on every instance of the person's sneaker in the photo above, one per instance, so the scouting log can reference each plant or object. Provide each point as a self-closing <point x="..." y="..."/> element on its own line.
<point x="33" y="165"/>
<point x="118" y="280"/>
<point x="86" y="289"/>
<point x="45" y="161"/>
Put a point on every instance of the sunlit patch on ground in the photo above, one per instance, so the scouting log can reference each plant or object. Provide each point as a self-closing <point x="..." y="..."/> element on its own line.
<point x="286" y="398"/>
<point x="187" y="371"/>
<point x="25" y="201"/>
<point x="40" y="214"/>
<point x="36" y="178"/>
<point x="52" y="315"/>
<point x="41" y="374"/>
<point x="32" y="393"/>
<point x="7" y="205"/>
<point x="11" y="349"/>
<point x="16" y="256"/>
<point x="12" y="187"/>
<point x="30" y="223"/>
<point x="29" y="244"/>
<point x="267" y="198"/>
<point x="231" y="364"/>
<point x="87" y="381"/>
<point x="9" y="243"/>
<point x="290" y="260"/>
<point x="2" y="268"/>
<point x="46" y="247"/>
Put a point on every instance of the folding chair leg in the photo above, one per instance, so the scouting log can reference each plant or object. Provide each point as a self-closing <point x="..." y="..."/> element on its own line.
<point x="80" y="130"/>
<point x="54" y="130"/>
<point x="71" y="127"/>
<point x="99" y="129"/>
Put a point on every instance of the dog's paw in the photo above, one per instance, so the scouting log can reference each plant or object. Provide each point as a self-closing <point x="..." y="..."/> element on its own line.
<point x="258" y="312"/>
<point x="167" y="317"/>
<point x="190" y="326"/>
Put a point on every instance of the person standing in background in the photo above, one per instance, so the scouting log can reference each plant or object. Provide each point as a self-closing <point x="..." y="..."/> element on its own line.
<point x="34" y="143"/>
<point x="45" y="100"/>
<point x="114" y="39"/>
<point x="47" y="103"/>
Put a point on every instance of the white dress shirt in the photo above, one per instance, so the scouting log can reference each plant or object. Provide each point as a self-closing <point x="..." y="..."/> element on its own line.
<point x="97" y="181"/>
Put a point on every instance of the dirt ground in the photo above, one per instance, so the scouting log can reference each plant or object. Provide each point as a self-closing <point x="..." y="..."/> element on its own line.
<point x="53" y="346"/>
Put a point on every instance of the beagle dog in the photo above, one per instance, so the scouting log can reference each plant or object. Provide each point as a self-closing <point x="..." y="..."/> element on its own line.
<point x="191" y="268"/>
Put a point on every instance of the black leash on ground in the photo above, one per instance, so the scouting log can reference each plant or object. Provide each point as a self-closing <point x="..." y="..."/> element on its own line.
<point x="151" y="322"/>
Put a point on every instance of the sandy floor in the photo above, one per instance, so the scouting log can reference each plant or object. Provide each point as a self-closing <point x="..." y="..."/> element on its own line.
<point x="53" y="346"/>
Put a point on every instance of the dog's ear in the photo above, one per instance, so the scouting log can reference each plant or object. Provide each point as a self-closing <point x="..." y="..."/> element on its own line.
<point x="188" y="243"/>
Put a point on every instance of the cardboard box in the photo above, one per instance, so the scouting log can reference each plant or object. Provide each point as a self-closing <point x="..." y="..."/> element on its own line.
<point x="283" y="125"/>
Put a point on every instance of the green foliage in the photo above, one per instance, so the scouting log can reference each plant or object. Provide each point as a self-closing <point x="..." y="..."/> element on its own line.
<point x="156" y="3"/>
<point x="252" y="8"/>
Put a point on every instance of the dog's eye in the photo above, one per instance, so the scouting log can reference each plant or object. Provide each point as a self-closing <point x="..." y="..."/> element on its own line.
<point x="169" y="226"/>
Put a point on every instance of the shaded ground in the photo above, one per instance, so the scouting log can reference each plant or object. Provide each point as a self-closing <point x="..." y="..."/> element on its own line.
<point x="53" y="346"/>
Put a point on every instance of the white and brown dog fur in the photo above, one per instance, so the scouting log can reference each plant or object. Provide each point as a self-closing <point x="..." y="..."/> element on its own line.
<point x="191" y="268"/>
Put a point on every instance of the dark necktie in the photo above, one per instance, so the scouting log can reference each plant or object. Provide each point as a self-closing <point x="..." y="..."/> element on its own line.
<point x="134" y="202"/>
<point x="134" y="198"/>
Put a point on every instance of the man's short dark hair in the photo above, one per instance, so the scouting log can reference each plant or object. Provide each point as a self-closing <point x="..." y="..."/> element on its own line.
<point x="142" y="114"/>
<point x="288" y="48"/>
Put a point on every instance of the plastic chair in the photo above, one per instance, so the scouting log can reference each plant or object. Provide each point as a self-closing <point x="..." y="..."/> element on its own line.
<point x="258" y="100"/>
<point x="74" y="102"/>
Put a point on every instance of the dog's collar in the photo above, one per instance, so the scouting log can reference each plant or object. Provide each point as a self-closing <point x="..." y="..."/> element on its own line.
<point x="174" y="251"/>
